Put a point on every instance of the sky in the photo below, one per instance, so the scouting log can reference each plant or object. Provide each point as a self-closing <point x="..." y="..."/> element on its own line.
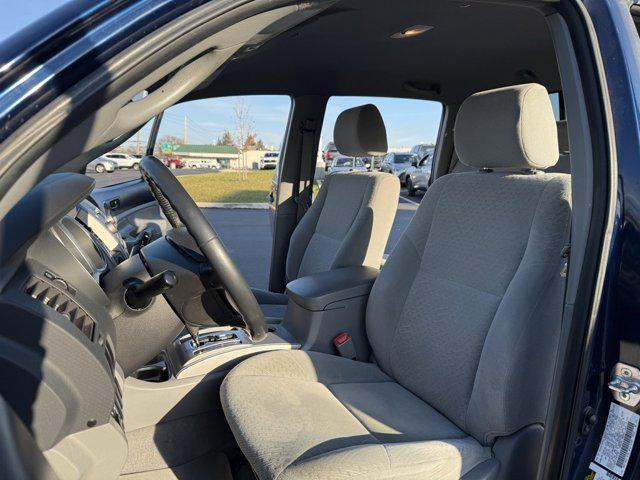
<point x="408" y="122"/>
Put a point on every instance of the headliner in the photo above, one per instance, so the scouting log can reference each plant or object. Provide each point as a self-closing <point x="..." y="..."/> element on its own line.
<point x="347" y="50"/>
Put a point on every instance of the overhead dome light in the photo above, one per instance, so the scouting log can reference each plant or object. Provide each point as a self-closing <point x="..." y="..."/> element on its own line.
<point x="412" y="31"/>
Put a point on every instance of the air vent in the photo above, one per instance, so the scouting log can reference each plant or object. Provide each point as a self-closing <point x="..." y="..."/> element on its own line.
<point x="111" y="358"/>
<point x="117" y="410"/>
<point x="61" y="303"/>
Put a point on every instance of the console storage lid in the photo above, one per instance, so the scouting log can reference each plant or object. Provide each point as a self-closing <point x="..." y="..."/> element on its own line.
<point x="317" y="292"/>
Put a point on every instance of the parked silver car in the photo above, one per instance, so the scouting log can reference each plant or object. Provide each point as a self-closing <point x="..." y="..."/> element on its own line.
<point x="421" y="150"/>
<point x="124" y="160"/>
<point x="419" y="174"/>
<point x="398" y="164"/>
<point x="347" y="164"/>
<point x="101" y="165"/>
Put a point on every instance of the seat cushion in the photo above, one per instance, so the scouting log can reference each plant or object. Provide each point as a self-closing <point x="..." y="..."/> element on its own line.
<point x="321" y="416"/>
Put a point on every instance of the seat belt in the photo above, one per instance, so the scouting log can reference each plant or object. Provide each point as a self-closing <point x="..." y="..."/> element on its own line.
<point x="303" y="196"/>
<point x="565" y="257"/>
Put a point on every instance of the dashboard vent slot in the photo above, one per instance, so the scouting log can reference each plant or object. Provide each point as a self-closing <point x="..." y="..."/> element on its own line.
<point x="111" y="359"/>
<point x="117" y="410"/>
<point x="61" y="303"/>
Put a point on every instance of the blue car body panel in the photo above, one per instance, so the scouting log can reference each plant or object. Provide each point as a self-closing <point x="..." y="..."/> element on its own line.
<point x="49" y="56"/>
<point x="617" y="321"/>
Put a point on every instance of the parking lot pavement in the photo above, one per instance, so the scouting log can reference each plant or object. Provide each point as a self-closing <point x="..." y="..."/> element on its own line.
<point x="248" y="234"/>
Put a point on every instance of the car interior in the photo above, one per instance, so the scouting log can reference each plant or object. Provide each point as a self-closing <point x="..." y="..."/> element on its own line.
<point x="137" y="350"/>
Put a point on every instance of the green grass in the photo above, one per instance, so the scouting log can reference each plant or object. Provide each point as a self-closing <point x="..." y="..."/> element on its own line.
<point x="226" y="187"/>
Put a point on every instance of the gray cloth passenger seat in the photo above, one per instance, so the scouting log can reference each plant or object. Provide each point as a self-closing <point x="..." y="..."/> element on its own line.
<point x="351" y="217"/>
<point x="463" y="321"/>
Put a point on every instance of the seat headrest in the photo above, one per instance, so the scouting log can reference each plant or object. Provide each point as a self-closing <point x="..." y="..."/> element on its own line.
<point x="360" y="132"/>
<point x="563" y="137"/>
<point x="511" y="127"/>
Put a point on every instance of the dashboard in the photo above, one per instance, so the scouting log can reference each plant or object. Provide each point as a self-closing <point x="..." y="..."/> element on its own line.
<point x="69" y="336"/>
<point x="58" y="341"/>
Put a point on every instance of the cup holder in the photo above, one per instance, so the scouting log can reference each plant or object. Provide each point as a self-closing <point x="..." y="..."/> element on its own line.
<point x="155" y="371"/>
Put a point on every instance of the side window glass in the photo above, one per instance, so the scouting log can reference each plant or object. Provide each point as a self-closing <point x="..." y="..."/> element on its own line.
<point x="122" y="164"/>
<point x="225" y="151"/>
<point x="557" y="104"/>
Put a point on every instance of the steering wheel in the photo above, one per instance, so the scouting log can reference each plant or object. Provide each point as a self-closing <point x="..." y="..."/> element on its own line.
<point x="180" y="209"/>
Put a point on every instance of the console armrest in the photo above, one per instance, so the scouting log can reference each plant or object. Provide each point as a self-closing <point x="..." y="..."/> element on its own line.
<point x="317" y="292"/>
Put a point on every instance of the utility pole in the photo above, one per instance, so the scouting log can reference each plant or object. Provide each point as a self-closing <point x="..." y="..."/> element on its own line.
<point x="138" y="143"/>
<point x="185" y="130"/>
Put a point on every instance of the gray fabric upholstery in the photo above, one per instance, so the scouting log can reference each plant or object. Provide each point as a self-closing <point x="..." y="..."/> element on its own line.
<point x="337" y="418"/>
<point x="349" y="221"/>
<point x="347" y="225"/>
<point x="470" y="270"/>
<point x="463" y="322"/>
<point x="360" y="132"/>
<point x="510" y="127"/>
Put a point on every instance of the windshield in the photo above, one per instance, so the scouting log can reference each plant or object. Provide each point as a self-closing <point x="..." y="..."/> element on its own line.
<point x="405" y="158"/>
<point x="348" y="162"/>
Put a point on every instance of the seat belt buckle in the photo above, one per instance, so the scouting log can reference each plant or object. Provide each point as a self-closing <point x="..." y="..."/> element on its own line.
<point x="345" y="346"/>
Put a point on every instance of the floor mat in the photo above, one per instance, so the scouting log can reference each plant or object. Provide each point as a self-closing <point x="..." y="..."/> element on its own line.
<point x="212" y="466"/>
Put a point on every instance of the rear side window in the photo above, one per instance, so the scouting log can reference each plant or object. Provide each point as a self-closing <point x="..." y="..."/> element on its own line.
<point x="558" y="105"/>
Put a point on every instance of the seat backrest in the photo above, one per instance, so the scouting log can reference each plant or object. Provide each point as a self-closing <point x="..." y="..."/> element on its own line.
<point x="349" y="222"/>
<point x="465" y="313"/>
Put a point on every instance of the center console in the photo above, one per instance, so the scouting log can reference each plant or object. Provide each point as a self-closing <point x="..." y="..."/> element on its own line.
<point x="327" y="304"/>
<point x="321" y="307"/>
<point x="179" y="383"/>
<point x="220" y="348"/>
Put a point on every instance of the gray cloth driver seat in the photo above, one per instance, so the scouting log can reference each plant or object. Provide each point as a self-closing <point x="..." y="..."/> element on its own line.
<point x="463" y="322"/>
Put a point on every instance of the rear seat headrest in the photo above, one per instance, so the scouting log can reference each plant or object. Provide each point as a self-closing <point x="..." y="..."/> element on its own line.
<point x="360" y="132"/>
<point x="511" y="127"/>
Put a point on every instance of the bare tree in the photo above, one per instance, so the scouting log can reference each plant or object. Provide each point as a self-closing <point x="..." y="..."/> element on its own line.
<point x="243" y="130"/>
